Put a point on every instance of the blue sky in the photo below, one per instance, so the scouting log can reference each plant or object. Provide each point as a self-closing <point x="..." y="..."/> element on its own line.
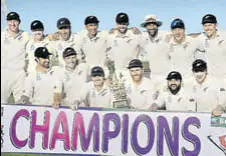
<point x="49" y="11"/>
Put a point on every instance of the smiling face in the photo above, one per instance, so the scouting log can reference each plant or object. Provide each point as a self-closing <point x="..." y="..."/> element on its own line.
<point x="136" y="73"/>
<point x="178" y="34"/>
<point x="65" y="32"/>
<point x="13" y="25"/>
<point x="174" y="84"/>
<point x="152" y="29"/>
<point x="210" y="29"/>
<point x="200" y="76"/>
<point x="122" y="27"/>
<point x="98" y="81"/>
<point x="70" y="61"/>
<point x="44" y="62"/>
<point x="38" y="35"/>
<point x="92" y="29"/>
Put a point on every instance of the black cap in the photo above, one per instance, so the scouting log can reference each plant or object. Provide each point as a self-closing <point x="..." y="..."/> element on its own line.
<point x="174" y="75"/>
<point x="97" y="71"/>
<point x="63" y="22"/>
<point x="91" y="19"/>
<point x="199" y="66"/>
<point x="37" y="25"/>
<point x="42" y="52"/>
<point x="13" y="16"/>
<point x="135" y="63"/>
<point x="209" y="18"/>
<point x="177" y="23"/>
<point x="122" y="18"/>
<point x="68" y="52"/>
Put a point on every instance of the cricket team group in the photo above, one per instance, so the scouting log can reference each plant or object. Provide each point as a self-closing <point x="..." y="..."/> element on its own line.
<point x="120" y="68"/>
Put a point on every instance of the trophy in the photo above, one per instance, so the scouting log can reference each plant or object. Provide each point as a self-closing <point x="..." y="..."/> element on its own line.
<point x="117" y="87"/>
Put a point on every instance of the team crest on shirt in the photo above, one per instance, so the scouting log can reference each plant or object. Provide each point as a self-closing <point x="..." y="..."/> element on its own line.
<point x="192" y="100"/>
<point x="220" y="42"/>
<point x="222" y="89"/>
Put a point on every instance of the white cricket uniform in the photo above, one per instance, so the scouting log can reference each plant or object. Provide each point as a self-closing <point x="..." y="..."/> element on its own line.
<point x="40" y="87"/>
<point x="94" y="50"/>
<point x="72" y="82"/>
<point x="140" y="97"/>
<point x="182" y="101"/>
<point x="155" y="53"/>
<point x="60" y="45"/>
<point x="90" y="97"/>
<point x="12" y="65"/>
<point x="30" y="49"/>
<point x="207" y="94"/>
<point x="122" y="49"/>
<point x="182" y="55"/>
<point x="215" y="53"/>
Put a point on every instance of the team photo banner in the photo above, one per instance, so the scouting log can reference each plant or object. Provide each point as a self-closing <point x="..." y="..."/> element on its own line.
<point x="45" y="130"/>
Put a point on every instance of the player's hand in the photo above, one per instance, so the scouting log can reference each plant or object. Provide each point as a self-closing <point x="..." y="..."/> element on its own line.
<point x="75" y="104"/>
<point x="154" y="107"/>
<point x="24" y="99"/>
<point x="55" y="105"/>
<point x="135" y="30"/>
<point x="217" y="112"/>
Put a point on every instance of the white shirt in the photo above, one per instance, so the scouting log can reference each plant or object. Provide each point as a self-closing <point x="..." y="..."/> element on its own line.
<point x="182" y="55"/>
<point x="94" y="49"/>
<point x="30" y="49"/>
<point x="13" y="50"/>
<point x="206" y="94"/>
<point x="93" y="98"/>
<point x="140" y="97"/>
<point x="60" y="45"/>
<point x="155" y="53"/>
<point x="40" y="87"/>
<point x="182" y="101"/>
<point x="122" y="49"/>
<point x="72" y="82"/>
<point x="215" y="53"/>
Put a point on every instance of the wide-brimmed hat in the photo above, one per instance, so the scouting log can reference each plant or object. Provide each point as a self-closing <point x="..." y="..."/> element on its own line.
<point x="151" y="19"/>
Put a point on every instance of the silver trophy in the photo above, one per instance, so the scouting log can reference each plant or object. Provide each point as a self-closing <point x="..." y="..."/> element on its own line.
<point x="116" y="87"/>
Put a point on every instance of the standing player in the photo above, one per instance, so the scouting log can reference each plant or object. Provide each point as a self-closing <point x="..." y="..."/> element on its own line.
<point x="174" y="97"/>
<point x="13" y="74"/>
<point x="42" y="87"/>
<point x="182" y="49"/>
<point x="214" y="42"/>
<point x="123" y="44"/>
<point x="154" y="48"/>
<point x="64" y="39"/>
<point x="93" y="43"/>
<point x="38" y="40"/>
<point x="72" y="76"/>
<point x="139" y="89"/>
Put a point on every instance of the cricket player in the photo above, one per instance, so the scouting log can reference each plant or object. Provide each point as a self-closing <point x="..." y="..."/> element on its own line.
<point x="42" y="87"/>
<point x="95" y="93"/>
<point x="72" y="77"/>
<point x="214" y="42"/>
<point x="93" y="43"/>
<point x="174" y="97"/>
<point x="13" y="43"/>
<point x="154" y="49"/>
<point x="64" y="39"/>
<point x="123" y="44"/>
<point x="182" y="49"/>
<point x="139" y="89"/>
<point x="207" y="89"/>
<point x="38" y="40"/>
